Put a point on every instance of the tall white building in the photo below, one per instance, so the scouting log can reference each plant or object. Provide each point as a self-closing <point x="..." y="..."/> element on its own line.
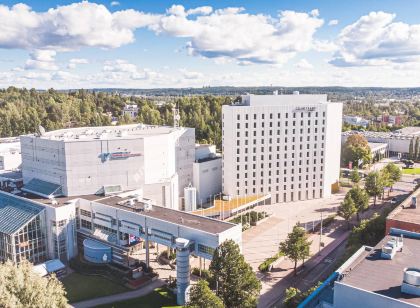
<point x="284" y="145"/>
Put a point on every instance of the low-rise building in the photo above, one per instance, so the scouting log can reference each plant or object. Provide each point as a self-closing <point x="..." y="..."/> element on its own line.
<point x="405" y="217"/>
<point x="207" y="173"/>
<point x="132" y="110"/>
<point x="10" y="157"/>
<point x="355" y="120"/>
<point x="398" y="141"/>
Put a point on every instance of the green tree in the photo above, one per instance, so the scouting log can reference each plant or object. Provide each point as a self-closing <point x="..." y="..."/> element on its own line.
<point x="202" y="297"/>
<point x="356" y="149"/>
<point x="296" y="246"/>
<point x="20" y="287"/>
<point x="374" y="185"/>
<point x="354" y="176"/>
<point x="416" y="149"/>
<point x="293" y="296"/>
<point x="347" y="209"/>
<point x="236" y="283"/>
<point x="360" y="199"/>
<point x="411" y="150"/>
<point x="394" y="172"/>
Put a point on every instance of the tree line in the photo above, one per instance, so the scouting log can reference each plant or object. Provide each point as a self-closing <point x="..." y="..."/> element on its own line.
<point x="23" y="110"/>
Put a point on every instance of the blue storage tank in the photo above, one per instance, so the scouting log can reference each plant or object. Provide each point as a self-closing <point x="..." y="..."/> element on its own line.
<point x="96" y="252"/>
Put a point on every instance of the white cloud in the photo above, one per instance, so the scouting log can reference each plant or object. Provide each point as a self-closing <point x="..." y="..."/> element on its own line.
<point x="304" y="64"/>
<point x="68" y="27"/>
<point x="42" y="60"/>
<point x="333" y="22"/>
<point x="201" y="10"/>
<point x="115" y="3"/>
<point x="247" y="38"/>
<point x="376" y="39"/>
<point x="76" y="61"/>
<point x="315" y="12"/>
<point x="229" y="32"/>
<point x="190" y="74"/>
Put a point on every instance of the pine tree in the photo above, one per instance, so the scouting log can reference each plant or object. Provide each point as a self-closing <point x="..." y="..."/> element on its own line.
<point x="410" y="150"/>
<point x="236" y="283"/>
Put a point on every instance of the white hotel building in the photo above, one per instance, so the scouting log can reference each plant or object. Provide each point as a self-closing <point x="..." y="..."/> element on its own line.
<point x="284" y="145"/>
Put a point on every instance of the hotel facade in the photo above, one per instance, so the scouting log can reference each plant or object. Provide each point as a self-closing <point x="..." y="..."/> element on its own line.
<point x="284" y="145"/>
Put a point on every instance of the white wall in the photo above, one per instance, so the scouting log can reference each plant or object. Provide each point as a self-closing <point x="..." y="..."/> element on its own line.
<point x="346" y="296"/>
<point x="207" y="179"/>
<point x="332" y="146"/>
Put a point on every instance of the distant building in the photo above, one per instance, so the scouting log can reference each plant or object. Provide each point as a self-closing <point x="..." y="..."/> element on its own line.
<point x="405" y="218"/>
<point x="398" y="141"/>
<point x="354" y="120"/>
<point x="378" y="150"/>
<point x="131" y="110"/>
<point x="207" y="172"/>
<point x="10" y="157"/>
<point x="284" y="145"/>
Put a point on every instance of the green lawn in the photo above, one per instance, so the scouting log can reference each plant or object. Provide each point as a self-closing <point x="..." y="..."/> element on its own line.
<point x="414" y="171"/>
<point x="160" y="297"/>
<point x="81" y="287"/>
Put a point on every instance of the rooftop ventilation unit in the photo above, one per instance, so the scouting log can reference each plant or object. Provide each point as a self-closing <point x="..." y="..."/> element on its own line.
<point x="411" y="281"/>
<point x="391" y="247"/>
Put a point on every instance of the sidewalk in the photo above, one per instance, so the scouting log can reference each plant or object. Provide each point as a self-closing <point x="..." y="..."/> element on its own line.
<point x="119" y="297"/>
<point x="281" y="277"/>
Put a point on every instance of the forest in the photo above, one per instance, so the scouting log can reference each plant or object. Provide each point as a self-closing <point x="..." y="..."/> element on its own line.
<point x="23" y="110"/>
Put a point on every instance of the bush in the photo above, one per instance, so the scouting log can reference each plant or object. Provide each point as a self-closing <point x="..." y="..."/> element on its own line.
<point x="249" y="219"/>
<point x="265" y="266"/>
<point x="171" y="256"/>
<point x="205" y="274"/>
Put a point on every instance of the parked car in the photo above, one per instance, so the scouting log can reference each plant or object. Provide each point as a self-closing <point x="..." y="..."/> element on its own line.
<point x="394" y="200"/>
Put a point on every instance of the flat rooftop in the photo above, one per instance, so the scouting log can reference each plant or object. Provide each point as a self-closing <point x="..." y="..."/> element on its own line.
<point x="374" y="146"/>
<point x="283" y="99"/>
<point x="407" y="214"/>
<point x="370" y="272"/>
<point x="380" y="135"/>
<point x="132" y="131"/>
<point x="169" y="215"/>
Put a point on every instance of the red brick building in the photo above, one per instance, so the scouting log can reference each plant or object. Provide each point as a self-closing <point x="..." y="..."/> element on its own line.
<point x="405" y="217"/>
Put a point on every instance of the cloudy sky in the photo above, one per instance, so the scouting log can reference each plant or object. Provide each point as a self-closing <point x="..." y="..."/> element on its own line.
<point x="150" y="44"/>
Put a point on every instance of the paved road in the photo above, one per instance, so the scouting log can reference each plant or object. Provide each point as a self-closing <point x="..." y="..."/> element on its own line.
<point x="119" y="297"/>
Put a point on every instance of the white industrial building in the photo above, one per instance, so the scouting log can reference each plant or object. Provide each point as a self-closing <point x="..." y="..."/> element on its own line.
<point x="354" y="120"/>
<point x="398" y="141"/>
<point x="10" y="158"/>
<point x="207" y="172"/>
<point x="284" y="145"/>
<point x="81" y="161"/>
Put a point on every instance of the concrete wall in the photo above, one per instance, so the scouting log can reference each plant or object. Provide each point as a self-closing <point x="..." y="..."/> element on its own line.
<point x="346" y="296"/>
<point x="332" y="146"/>
<point x="207" y="179"/>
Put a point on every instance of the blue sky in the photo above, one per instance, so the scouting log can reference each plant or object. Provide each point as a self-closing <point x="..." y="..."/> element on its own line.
<point x="148" y="44"/>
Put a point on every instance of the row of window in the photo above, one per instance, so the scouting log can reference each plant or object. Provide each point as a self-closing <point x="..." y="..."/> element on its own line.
<point x="280" y="132"/>
<point x="271" y="115"/>
<point x="285" y="124"/>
